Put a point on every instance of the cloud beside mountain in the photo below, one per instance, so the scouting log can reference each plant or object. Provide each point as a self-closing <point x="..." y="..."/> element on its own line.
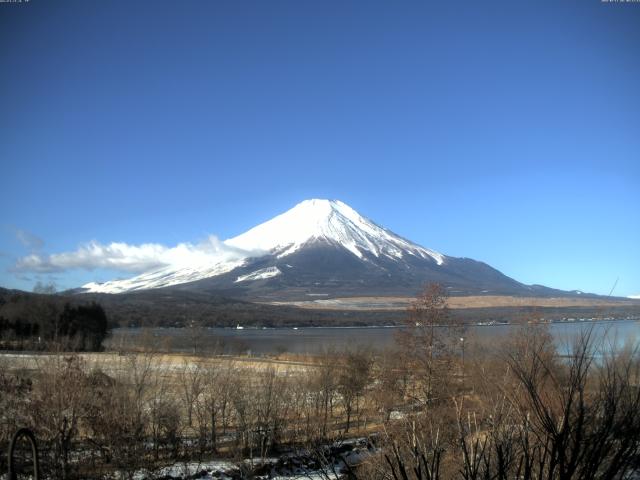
<point x="130" y="258"/>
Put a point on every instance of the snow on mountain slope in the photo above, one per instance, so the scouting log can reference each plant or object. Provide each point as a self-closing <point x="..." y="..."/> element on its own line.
<point x="310" y="221"/>
<point x="330" y="220"/>
<point x="261" y="274"/>
<point x="164" y="277"/>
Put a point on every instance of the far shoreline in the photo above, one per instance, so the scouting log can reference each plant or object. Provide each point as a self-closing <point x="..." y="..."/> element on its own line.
<point x="399" y="326"/>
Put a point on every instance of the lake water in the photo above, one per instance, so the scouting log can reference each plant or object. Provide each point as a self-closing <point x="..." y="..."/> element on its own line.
<point x="313" y="340"/>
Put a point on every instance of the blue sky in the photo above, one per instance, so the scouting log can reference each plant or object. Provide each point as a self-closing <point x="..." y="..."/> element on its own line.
<point x="508" y="132"/>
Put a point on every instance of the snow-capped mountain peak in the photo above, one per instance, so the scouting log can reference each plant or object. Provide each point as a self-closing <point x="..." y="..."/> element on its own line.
<point x="311" y="221"/>
<point x="328" y="220"/>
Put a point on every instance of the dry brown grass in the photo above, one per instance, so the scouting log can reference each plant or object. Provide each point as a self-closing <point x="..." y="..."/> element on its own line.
<point x="476" y="301"/>
<point x="111" y="361"/>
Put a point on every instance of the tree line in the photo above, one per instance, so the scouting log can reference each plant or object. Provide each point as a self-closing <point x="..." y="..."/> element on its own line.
<point x="45" y="322"/>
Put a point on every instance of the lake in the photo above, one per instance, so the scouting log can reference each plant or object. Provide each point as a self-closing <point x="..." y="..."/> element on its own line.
<point x="312" y="340"/>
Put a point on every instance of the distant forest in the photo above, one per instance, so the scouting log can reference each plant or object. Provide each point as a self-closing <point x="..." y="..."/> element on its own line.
<point x="81" y="321"/>
<point x="175" y="308"/>
<point x="45" y="322"/>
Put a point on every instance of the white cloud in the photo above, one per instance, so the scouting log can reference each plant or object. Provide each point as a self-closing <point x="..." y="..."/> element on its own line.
<point x="635" y="296"/>
<point x="131" y="258"/>
<point x="28" y="239"/>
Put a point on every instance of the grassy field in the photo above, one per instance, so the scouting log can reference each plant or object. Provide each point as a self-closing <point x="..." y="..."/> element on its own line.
<point x="112" y="362"/>
<point x="477" y="301"/>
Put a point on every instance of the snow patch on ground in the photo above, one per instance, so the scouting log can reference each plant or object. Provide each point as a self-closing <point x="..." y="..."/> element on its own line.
<point x="328" y="462"/>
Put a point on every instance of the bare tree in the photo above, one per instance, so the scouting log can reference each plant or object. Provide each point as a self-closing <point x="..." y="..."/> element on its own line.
<point x="190" y="379"/>
<point x="271" y="400"/>
<point x="324" y="385"/>
<point x="48" y="288"/>
<point x="57" y="407"/>
<point x="559" y="419"/>
<point x="391" y="382"/>
<point x="426" y="345"/>
<point x="353" y="377"/>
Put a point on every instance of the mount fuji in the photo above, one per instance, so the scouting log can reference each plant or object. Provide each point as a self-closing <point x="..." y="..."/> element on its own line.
<point x="324" y="248"/>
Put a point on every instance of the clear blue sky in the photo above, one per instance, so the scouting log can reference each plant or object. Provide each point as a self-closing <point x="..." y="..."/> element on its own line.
<point x="508" y="132"/>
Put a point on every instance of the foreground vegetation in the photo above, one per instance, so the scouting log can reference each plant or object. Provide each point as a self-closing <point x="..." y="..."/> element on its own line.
<point x="435" y="407"/>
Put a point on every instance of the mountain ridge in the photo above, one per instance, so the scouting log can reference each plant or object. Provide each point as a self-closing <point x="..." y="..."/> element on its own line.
<point x="325" y="247"/>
